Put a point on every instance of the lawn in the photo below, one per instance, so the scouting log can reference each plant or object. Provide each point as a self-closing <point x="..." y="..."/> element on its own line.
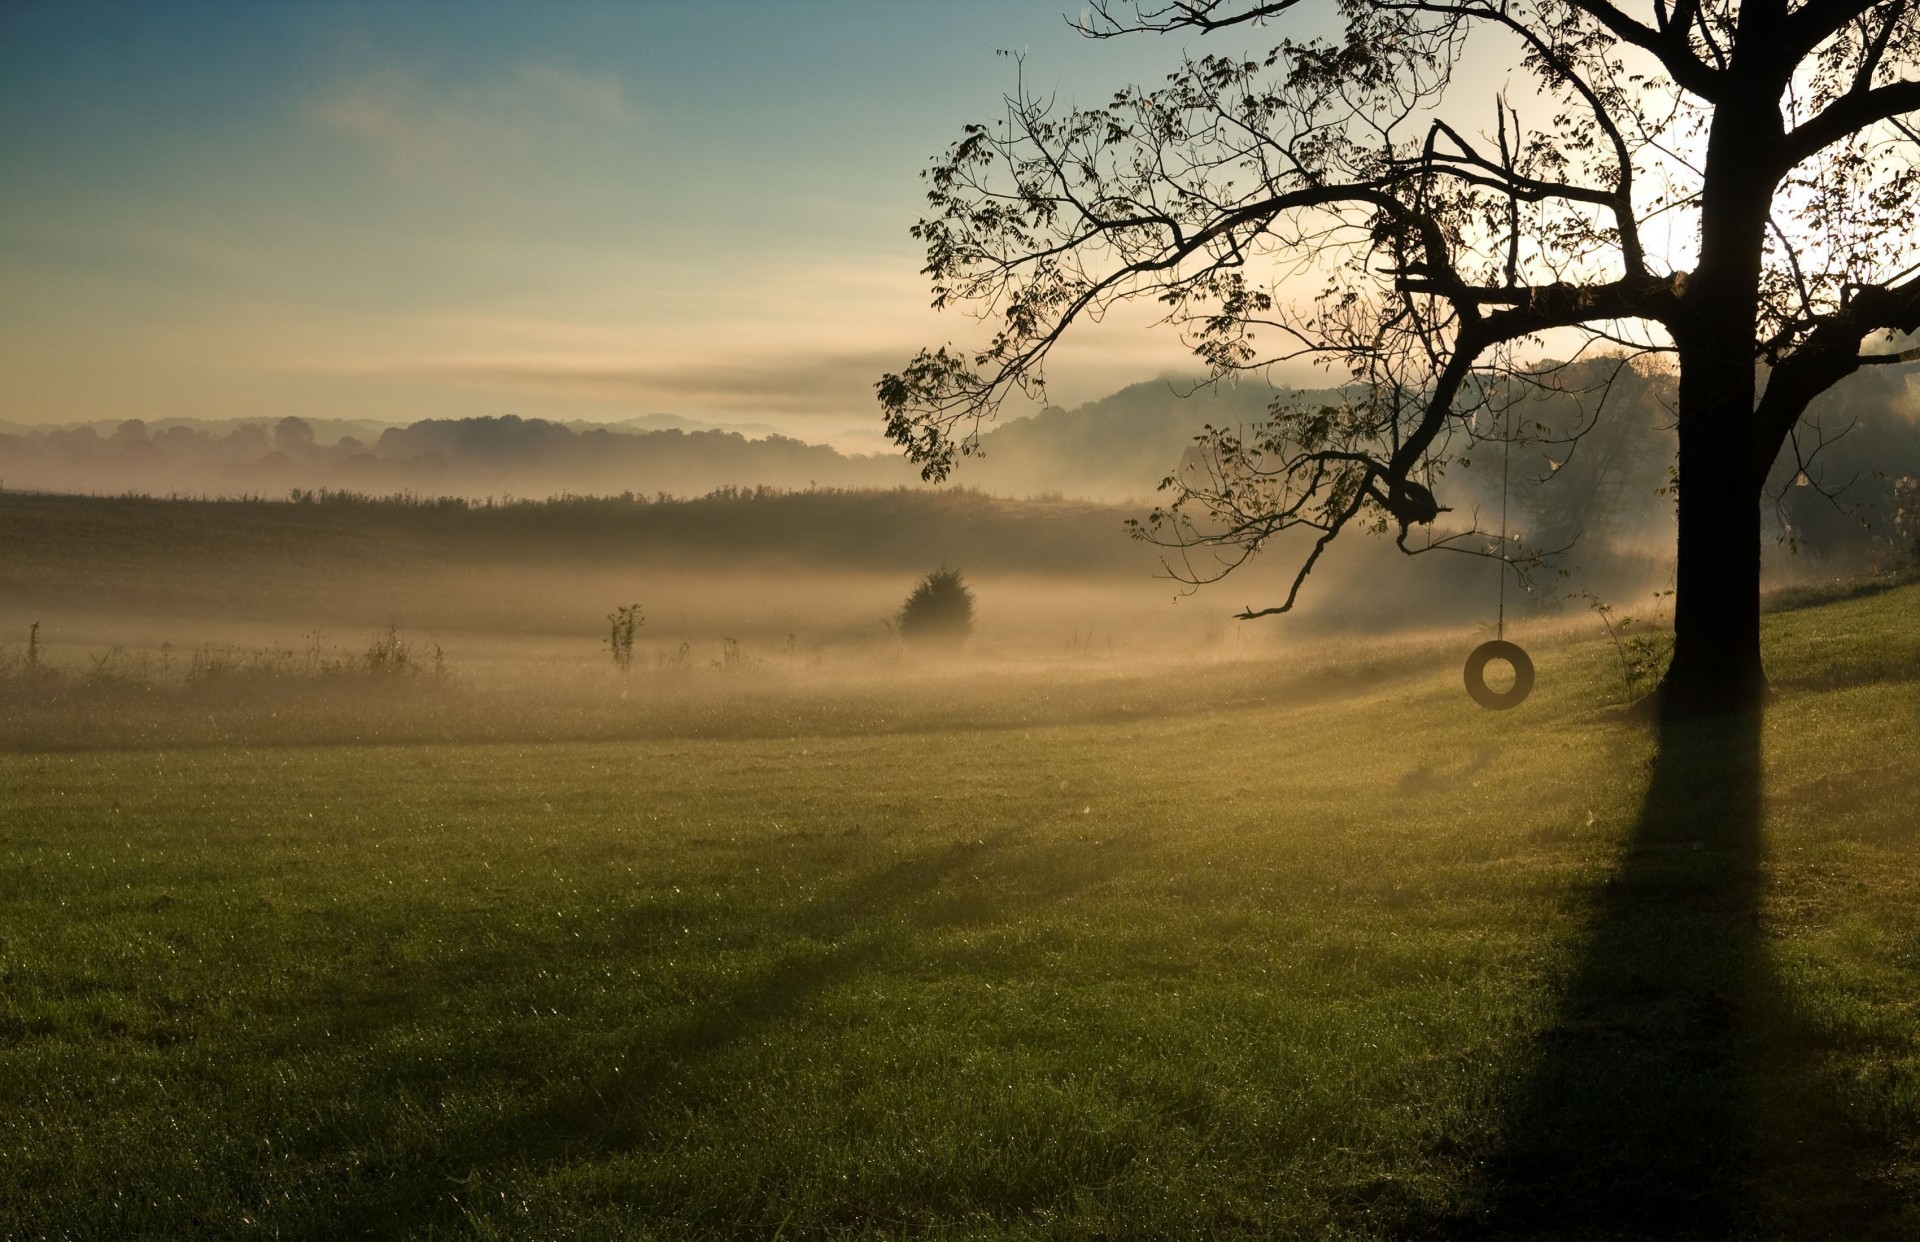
<point x="1275" y="947"/>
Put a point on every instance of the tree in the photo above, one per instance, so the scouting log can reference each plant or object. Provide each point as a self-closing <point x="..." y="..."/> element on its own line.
<point x="938" y="612"/>
<point x="1732" y="183"/>
<point x="293" y="436"/>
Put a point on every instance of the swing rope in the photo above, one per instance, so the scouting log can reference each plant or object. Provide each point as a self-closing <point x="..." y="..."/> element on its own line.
<point x="1506" y="456"/>
<point x="1500" y="649"/>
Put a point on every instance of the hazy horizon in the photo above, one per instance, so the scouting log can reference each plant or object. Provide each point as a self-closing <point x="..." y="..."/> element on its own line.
<point x="324" y="210"/>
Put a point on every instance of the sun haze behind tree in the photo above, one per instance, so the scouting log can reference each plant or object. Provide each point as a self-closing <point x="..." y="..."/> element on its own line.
<point x="1774" y="150"/>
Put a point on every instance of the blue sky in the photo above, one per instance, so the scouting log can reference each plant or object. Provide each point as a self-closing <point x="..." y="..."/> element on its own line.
<point x="395" y="211"/>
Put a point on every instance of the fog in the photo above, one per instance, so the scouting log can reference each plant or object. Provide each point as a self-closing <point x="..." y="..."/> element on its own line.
<point x="776" y="572"/>
<point x="124" y="619"/>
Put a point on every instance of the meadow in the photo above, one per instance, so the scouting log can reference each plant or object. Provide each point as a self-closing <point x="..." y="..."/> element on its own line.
<point x="1062" y="938"/>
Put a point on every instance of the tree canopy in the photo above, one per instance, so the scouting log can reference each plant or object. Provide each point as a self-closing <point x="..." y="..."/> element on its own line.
<point x="1730" y="185"/>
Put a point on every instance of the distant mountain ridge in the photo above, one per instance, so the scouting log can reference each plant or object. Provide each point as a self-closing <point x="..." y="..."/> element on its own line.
<point x="1116" y="448"/>
<point x="1119" y="447"/>
<point x="1600" y="503"/>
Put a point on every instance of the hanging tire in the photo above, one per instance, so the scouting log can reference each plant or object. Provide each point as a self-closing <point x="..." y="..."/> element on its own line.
<point x="1485" y="695"/>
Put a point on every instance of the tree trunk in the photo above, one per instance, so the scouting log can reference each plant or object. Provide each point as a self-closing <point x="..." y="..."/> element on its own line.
<point x="1716" y="654"/>
<point x="1716" y="617"/>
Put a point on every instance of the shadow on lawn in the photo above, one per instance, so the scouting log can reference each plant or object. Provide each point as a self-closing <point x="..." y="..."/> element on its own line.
<point x="1633" y="1120"/>
<point x="602" y="1115"/>
<point x="859" y="928"/>
<point x="1675" y="1093"/>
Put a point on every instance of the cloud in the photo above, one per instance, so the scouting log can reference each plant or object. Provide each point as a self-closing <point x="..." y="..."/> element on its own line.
<point x="414" y="125"/>
<point x="806" y="385"/>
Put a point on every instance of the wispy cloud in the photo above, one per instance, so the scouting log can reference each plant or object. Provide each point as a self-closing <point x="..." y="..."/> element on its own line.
<point x="415" y="126"/>
<point x="841" y="385"/>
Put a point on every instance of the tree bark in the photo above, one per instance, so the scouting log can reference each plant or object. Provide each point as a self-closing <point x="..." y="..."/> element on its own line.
<point x="1716" y="663"/>
<point x="1716" y="655"/>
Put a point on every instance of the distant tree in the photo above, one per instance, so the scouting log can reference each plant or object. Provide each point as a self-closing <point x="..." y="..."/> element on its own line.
<point x="1730" y="182"/>
<point x="1578" y="481"/>
<point x="293" y="436"/>
<point x="939" y="612"/>
<point x="179" y="438"/>
<point x="134" y="445"/>
<point x="1835" y="498"/>
<point x="1906" y="520"/>
<point x="246" y="443"/>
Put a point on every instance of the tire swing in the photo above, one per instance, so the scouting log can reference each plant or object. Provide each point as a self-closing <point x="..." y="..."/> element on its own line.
<point x="1485" y="695"/>
<point x="1512" y="654"/>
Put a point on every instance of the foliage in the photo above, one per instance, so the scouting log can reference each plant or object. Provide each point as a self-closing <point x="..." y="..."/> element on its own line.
<point x="891" y="529"/>
<point x="622" y="623"/>
<point x="390" y="656"/>
<point x="1640" y="647"/>
<point x="1730" y="187"/>
<point x="160" y="676"/>
<point x="1906" y="519"/>
<point x="471" y="456"/>
<point x="938" y="612"/>
<point x="1835" y="497"/>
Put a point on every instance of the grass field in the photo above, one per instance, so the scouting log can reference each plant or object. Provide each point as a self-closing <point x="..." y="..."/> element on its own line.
<point x="1297" y="945"/>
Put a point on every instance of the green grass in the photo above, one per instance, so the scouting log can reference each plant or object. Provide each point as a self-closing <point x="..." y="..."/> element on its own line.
<point x="1237" y="951"/>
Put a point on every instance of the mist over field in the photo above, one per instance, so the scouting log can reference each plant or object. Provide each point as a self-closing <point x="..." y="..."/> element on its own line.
<point x="1588" y="490"/>
<point x="352" y="827"/>
<point x="1038" y="623"/>
<point x="333" y="829"/>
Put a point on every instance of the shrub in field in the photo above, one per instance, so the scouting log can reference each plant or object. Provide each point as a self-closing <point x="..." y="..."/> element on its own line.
<point x="622" y="623"/>
<point x="19" y="669"/>
<point x="220" y="671"/>
<point x="391" y="656"/>
<point x="939" y="612"/>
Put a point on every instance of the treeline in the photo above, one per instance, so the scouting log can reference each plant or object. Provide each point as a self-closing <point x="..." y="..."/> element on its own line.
<point x="1117" y="448"/>
<point x="895" y="529"/>
<point x="1591" y="476"/>
<point x="1588" y="476"/>
<point x="470" y="457"/>
<point x="454" y="560"/>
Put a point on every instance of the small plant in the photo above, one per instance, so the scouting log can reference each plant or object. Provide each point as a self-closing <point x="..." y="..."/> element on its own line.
<point x="390" y="655"/>
<point x="732" y="658"/>
<point x="622" y="623"/>
<point x="393" y="657"/>
<point x="1642" y="656"/>
<point x="939" y="612"/>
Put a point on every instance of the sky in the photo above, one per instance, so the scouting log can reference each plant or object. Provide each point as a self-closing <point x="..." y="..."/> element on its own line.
<point x="394" y="211"/>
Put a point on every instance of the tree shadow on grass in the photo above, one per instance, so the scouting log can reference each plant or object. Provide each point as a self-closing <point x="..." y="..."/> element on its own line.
<point x="863" y="926"/>
<point x="600" y="1115"/>
<point x="1678" y="1092"/>
<point x="1634" y="1121"/>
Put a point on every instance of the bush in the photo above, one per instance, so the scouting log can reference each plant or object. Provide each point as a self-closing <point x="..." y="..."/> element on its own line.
<point x="622" y="624"/>
<point x="939" y="613"/>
